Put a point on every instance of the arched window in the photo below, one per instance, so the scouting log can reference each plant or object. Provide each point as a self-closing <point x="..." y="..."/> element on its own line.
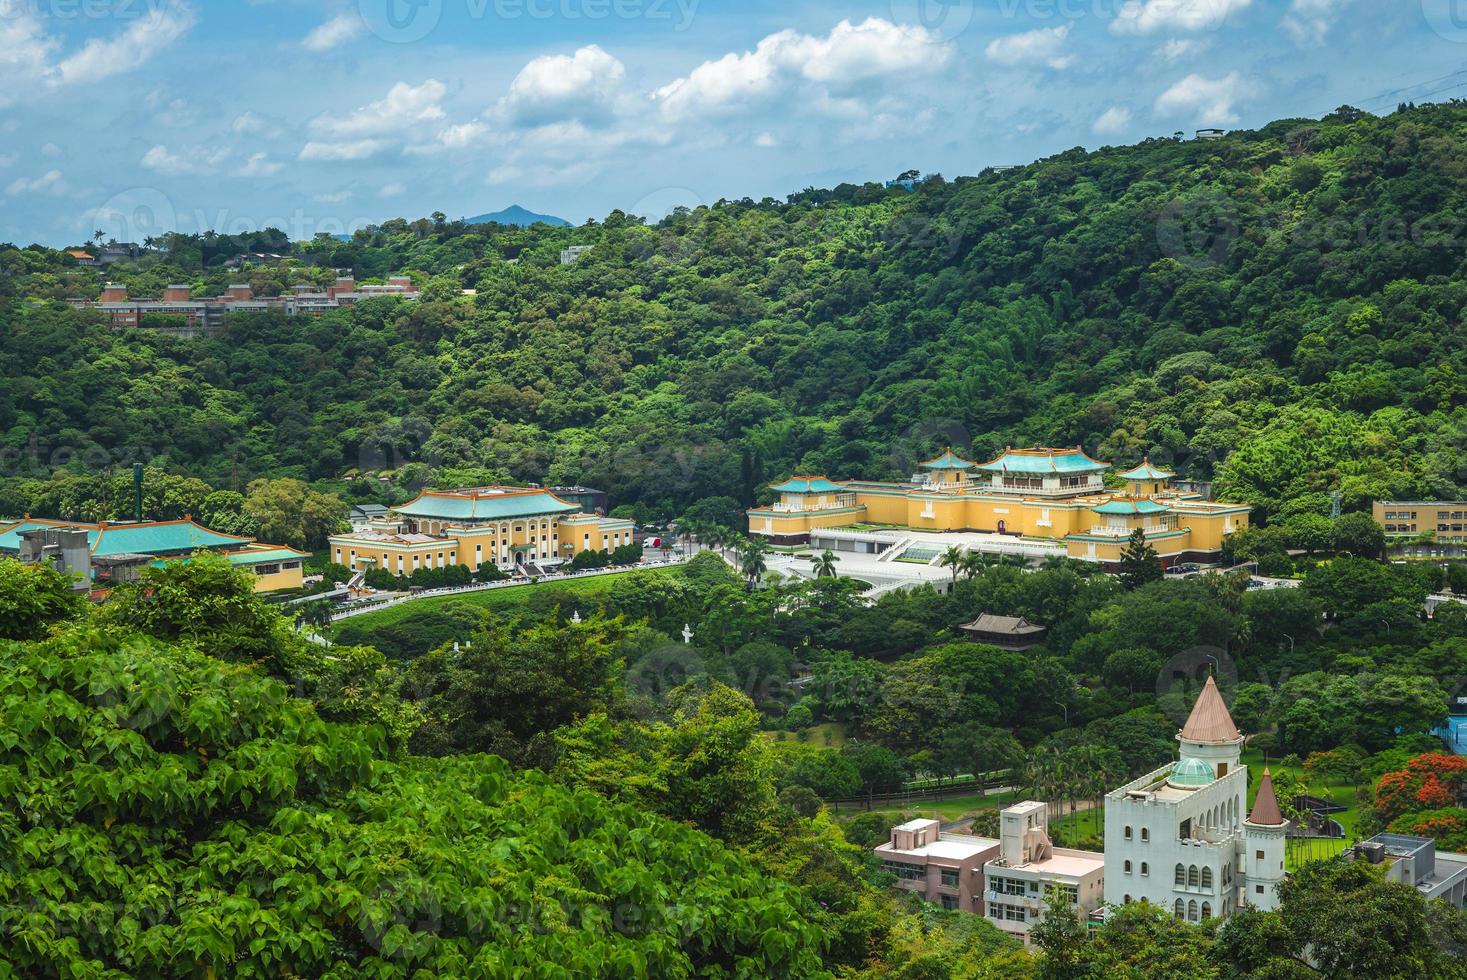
<point x="1181" y="910"/>
<point x="1128" y="833"/>
<point x="1192" y="877"/>
<point x="1145" y="868"/>
<point x="1145" y="834"/>
<point x="1126" y="900"/>
<point x="1192" y="910"/>
<point x="1206" y="910"/>
<point x="1128" y="867"/>
<point x="1181" y="874"/>
<point x="1206" y="877"/>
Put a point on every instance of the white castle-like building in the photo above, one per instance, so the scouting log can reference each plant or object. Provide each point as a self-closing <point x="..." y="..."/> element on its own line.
<point x="1182" y="837"/>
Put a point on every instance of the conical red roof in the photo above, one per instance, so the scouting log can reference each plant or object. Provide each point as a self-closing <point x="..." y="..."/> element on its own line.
<point x="1266" y="805"/>
<point x="1210" y="720"/>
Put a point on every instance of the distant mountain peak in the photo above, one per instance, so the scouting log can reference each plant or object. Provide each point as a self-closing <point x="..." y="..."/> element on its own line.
<point x="517" y="216"/>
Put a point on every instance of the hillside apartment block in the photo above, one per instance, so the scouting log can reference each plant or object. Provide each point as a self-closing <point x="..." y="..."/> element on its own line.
<point x="202" y="313"/>
<point x="1423" y="529"/>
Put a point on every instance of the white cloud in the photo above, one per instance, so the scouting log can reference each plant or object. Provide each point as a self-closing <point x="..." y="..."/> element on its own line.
<point x="346" y="150"/>
<point x="249" y="124"/>
<point x="458" y="136"/>
<point x="850" y="55"/>
<point x="259" y="165"/>
<point x="338" y="197"/>
<point x="347" y="26"/>
<point x="1308" y="21"/>
<point x="1211" y="100"/>
<point x="1177" y="48"/>
<point x="1112" y="121"/>
<point x="1038" y="47"/>
<point x="48" y="183"/>
<point x="392" y="190"/>
<point x="102" y="58"/>
<point x="1152" y="16"/>
<point x="405" y="105"/>
<point x="28" y="54"/>
<point x="766" y="140"/>
<point x="586" y="85"/>
<point x="159" y="159"/>
<point x="52" y="151"/>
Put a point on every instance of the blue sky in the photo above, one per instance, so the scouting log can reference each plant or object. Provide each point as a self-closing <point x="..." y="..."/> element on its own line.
<point x="322" y="115"/>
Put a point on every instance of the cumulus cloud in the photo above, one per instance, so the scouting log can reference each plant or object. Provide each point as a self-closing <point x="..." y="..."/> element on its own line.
<point x="249" y="124"/>
<point x="1153" y="16"/>
<point x="392" y="190"/>
<point x="343" y="150"/>
<point x="1038" y="47"/>
<point x="50" y="182"/>
<point x="405" y="105"/>
<point x="1177" y="48"/>
<point x="1112" y="121"/>
<point x="160" y="160"/>
<point x="834" y="65"/>
<point x="259" y="165"/>
<point x="586" y="85"/>
<point x="30" y="57"/>
<point x="1211" y="100"/>
<point x="1308" y="21"/>
<point x="344" y="27"/>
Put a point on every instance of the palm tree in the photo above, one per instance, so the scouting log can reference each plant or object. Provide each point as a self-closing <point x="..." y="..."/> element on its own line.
<point x="952" y="558"/>
<point x="751" y="560"/>
<point x="974" y="562"/>
<point x="824" y="565"/>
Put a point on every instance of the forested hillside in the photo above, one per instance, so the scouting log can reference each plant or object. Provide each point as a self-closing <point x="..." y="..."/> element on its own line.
<point x="1280" y="310"/>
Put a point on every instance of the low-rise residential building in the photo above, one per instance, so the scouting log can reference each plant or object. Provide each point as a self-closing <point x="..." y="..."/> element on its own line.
<point x="1050" y="498"/>
<point x="1415" y="861"/>
<point x="177" y="308"/>
<point x="108" y="552"/>
<point x="511" y="527"/>
<point x="945" y="869"/>
<point x="1029" y="868"/>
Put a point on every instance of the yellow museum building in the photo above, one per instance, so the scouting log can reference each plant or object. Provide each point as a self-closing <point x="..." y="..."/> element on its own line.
<point x="510" y="526"/>
<point x="1050" y="494"/>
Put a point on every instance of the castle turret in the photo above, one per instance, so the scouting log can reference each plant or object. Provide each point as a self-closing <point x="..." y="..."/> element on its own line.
<point x="1265" y="832"/>
<point x="1210" y="735"/>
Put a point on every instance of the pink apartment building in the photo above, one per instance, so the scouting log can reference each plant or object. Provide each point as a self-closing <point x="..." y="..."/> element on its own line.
<point x="946" y="869"/>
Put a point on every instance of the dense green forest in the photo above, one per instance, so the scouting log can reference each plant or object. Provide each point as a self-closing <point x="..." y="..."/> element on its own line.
<point x="1280" y="310"/>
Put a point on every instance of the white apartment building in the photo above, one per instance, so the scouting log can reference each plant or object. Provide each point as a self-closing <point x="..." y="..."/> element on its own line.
<point x="1029" y="867"/>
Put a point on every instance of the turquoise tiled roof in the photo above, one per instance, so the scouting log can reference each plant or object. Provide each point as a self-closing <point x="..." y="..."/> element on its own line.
<point x="10" y="536"/>
<point x="1146" y="472"/>
<point x="170" y="538"/>
<point x="485" y="506"/>
<point x="948" y="461"/>
<point x="807" y="484"/>
<point x="264" y="556"/>
<point x="1130" y="508"/>
<point x="1044" y="461"/>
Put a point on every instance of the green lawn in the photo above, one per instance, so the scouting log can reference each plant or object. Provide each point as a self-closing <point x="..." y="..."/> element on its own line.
<point x="1086" y="823"/>
<point x="504" y="598"/>
<point x="951" y="808"/>
<point x="815" y="736"/>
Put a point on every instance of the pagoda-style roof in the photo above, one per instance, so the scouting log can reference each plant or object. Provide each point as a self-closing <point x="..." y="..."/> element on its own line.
<point x="1015" y="625"/>
<point x="1266" y="811"/>
<point x="807" y="484"/>
<point x="949" y="460"/>
<point x="1146" y="472"/>
<point x="1123" y="507"/>
<point x="161" y="538"/>
<point x="1044" y="461"/>
<point x="1210" y="720"/>
<point x="487" y="504"/>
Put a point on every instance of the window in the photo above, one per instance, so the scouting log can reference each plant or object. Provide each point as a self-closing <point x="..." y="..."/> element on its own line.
<point x="949" y="901"/>
<point x="1258" y="855"/>
<point x="1192" y="877"/>
<point x="1128" y="833"/>
<point x="950" y="877"/>
<point x="1258" y="889"/>
<point x="1180" y="910"/>
<point x="1207" y="878"/>
<point x="1206" y="910"/>
<point x="1126" y="900"/>
<point x="1145" y="835"/>
<point x="1128" y="867"/>
<point x="1145" y="868"/>
<point x="1181" y="878"/>
<point x="1192" y="910"/>
<point x="905" y="870"/>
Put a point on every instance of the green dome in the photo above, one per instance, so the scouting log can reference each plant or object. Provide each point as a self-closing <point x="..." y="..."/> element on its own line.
<point x="1192" y="773"/>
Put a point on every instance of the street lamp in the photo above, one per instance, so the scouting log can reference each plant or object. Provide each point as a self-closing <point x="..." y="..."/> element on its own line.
<point x="1290" y="639"/>
<point x="1065" y="708"/>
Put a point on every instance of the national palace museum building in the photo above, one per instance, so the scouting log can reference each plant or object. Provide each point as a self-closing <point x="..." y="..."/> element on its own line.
<point x="512" y="527"/>
<point x="1055" y="495"/>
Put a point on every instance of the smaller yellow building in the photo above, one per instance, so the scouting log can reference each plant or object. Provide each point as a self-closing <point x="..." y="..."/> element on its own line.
<point x="1041" y="493"/>
<point x="511" y="527"/>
